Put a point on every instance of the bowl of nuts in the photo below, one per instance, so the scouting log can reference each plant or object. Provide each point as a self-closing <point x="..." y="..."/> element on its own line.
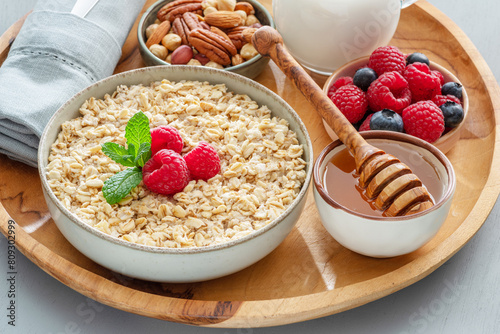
<point x="211" y="33"/>
<point x="391" y="91"/>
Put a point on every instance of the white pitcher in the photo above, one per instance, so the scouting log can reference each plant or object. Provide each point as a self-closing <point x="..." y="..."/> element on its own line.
<point x="323" y="35"/>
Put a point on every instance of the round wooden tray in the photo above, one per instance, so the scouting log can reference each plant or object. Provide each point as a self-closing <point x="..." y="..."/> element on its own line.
<point x="309" y="275"/>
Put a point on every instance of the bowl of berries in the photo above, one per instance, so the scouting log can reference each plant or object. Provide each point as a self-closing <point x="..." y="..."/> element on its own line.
<point x="391" y="91"/>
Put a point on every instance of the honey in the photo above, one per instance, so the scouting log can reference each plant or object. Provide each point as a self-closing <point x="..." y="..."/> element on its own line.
<point x="341" y="180"/>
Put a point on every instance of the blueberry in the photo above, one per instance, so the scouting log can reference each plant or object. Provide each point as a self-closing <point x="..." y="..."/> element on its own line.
<point x="417" y="57"/>
<point x="386" y="119"/>
<point x="452" y="88"/>
<point x="453" y="114"/>
<point x="364" y="77"/>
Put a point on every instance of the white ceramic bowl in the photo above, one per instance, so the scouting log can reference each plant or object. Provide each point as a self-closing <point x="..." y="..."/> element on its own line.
<point x="446" y="141"/>
<point x="166" y="264"/>
<point x="384" y="236"/>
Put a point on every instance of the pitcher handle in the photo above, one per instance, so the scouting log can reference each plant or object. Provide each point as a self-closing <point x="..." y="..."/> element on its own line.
<point x="406" y="3"/>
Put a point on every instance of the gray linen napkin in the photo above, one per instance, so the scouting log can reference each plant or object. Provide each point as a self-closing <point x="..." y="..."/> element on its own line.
<point x="55" y="55"/>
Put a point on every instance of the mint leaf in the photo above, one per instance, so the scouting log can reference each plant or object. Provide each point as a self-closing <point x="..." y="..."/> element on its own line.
<point x="119" y="185"/>
<point x="143" y="154"/>
<point x="118" y="154"/>
<point x="137" y="132"/>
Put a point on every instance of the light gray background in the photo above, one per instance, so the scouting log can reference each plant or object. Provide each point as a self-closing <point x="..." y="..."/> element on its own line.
<point x="462" y="296"/>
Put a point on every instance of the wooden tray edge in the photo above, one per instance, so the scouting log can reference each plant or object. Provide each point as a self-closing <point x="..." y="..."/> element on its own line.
<point x="290" y="310"/>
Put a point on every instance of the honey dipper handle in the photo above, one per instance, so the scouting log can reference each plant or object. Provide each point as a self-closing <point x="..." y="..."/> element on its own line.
<point x="269" y="43"/>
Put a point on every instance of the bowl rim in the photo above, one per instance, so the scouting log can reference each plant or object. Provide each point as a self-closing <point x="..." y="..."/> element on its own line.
<point x="42" y="163"/>
<point x="394" y="136"/>
<point x="153" y="9"/>
<point x="433" y="66"/>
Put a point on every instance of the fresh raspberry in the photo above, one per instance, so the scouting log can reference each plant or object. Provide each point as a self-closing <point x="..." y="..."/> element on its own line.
<point x="441" y="99"/>
<point x="424" y="120"/>
<point x="424" y="85"/>
<point x="389" y="91"/>
<point x="365" y="126"/>
<point x="167" y="137"/>
<point x="165" y="173"/>
<point x="203" y="161"/>
<point x="439" y="75"/>
<point x="387" y="59"/>
<point x="351" y="101"/>
<point x="342" y="81"/>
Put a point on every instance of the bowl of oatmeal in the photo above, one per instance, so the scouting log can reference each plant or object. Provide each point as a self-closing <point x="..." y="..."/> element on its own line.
<point x="212" y="227"/>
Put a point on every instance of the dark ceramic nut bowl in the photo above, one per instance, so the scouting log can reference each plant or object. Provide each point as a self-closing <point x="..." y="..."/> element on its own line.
<point x="250" y="68"/>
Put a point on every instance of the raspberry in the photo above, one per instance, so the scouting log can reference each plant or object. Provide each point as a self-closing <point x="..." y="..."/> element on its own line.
<point x="439" y="75"/>
<point x="203" y="161"/>
<point x="389" y="91"/>
<point x="387" y="59"/>
<point x="424" y="85"/>
<point x="165" y="173"/>
<point x="441" y="99"/>
<point x="351" y="101"/>
<point x="423" y="120"/>
<point x="342" y="81"/>
<point x="365" y="126"/>
<point x="166" y="137"/>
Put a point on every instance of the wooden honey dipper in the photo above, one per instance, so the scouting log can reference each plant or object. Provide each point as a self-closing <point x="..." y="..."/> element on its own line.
<point x="386" y="179"/>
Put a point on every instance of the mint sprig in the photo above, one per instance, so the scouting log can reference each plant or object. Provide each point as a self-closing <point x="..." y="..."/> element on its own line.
<point x="134" y="156"/>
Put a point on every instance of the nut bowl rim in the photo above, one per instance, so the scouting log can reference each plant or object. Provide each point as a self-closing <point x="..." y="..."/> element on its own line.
<point x="150" y="73"/>
<point x="442" y="142"/>
<point x="392" y="136"/>
<point x="153" y="9"/>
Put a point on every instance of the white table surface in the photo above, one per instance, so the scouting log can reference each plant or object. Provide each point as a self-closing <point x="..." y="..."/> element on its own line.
<point x="462" y="296"/>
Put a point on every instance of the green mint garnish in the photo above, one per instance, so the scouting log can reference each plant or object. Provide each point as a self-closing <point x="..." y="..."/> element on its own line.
<point x="134" y="156"/>
<point x="119" y="185"/>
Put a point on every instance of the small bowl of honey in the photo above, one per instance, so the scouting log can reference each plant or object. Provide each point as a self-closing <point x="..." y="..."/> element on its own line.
<point x="353" y="219"/>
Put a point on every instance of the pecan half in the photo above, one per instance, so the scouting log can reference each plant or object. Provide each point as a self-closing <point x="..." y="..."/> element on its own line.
<point x="192" y="21"/>
<point x="180" y="28"/>
<point x="236" y="36"/>
<point x="176" y="8"/>
<point x="212" y="45"/>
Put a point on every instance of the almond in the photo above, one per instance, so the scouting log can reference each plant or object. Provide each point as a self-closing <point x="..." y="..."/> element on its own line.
<point x="223" y="19"/>
<point x="158" y="34"/>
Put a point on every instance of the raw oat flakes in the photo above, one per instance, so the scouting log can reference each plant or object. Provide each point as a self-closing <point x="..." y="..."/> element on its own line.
<point x="262" y="169"/>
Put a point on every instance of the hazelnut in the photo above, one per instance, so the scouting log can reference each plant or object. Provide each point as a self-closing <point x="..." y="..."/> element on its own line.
<point x="159" y="51"/>
<point x="209" y="10"/>
<point x="169" y="58"/>
<point x="194" y="62"/>
<point x="237" y="59"/>
<point x="251" y="19"/>
<point x="226" y="5"/>
<point x="213" y="64"/>
<point x="209" y="3"/>
<point x="150" y="29"/>
<point x="243" y="16"/>
<point x="248" y="51"/>
<point x="171" y="41"/>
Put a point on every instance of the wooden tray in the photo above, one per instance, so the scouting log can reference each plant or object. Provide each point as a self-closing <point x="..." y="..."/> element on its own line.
<point x="310" y="275"/>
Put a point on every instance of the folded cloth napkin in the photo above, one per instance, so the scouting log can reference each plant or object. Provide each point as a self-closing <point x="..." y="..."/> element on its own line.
<point x="55" y="55"/>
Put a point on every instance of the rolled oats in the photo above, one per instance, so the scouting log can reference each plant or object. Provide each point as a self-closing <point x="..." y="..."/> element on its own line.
<point x="262" y="170"/>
